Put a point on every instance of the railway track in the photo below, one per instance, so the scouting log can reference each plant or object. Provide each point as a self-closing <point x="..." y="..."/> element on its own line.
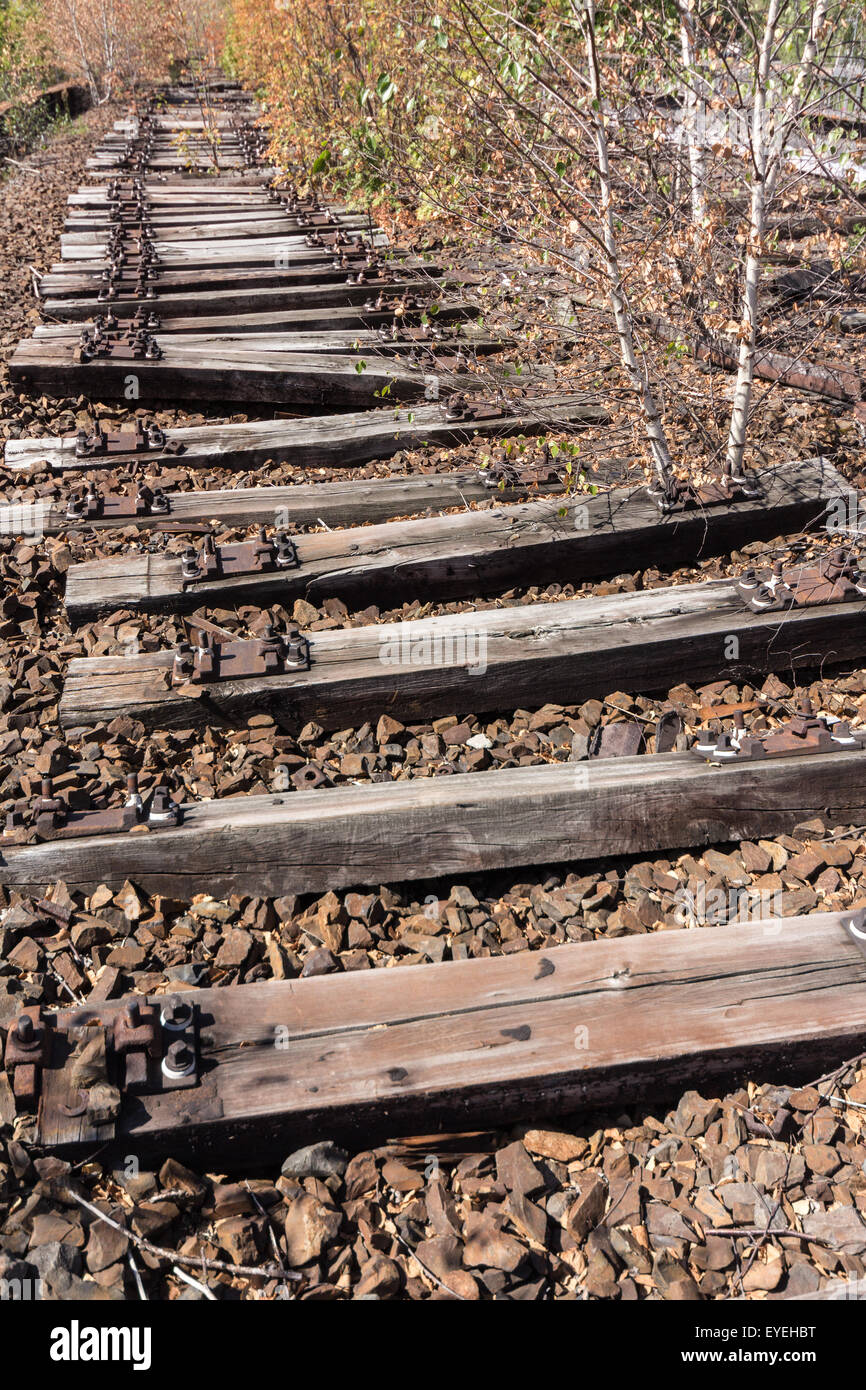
<point x="190" y="268"/>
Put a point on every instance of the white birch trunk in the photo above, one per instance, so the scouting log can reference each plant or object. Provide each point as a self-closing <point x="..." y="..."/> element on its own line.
<point x="697" y="156"/>
<point x="653" y="427"/>
<point x="767" y="156"/>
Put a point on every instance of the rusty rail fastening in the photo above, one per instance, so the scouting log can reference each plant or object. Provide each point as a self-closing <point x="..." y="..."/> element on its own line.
<point x="207" y="658"/>
<point x="805" y="732"/>
<point x="260" y="556"/>
<point x="136" y="345"/>
<point x="49" y="817"/>
<point x="146" y="436"/>
<point x="834" y="578"/>
<point x="679" y="496"/>
<point x="146" y="1047"/>
<point x="92" y="504"/>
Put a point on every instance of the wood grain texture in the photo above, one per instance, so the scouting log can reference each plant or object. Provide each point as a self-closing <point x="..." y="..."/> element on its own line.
<point x="313" y="841"/>
<point x="472" y="552"/>
<point x="335" y="504"/>
<point x="209" y="232"/>
<point x="288" y="321"/>
<point x="377" y="1053"/>
<point x="501" y="659"/>
<point x="301" y="271"/>
<point x="250" y="300"/>
<point x="249" y="350"/>
<point x="325" y="440"/>
<point x="291" y="379"/>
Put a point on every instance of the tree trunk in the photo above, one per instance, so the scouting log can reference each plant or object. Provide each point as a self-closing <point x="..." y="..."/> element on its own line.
<point x="653" y="427"/>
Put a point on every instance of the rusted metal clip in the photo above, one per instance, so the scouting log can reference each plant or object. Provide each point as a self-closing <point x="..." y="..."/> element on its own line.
<point x="146" y="436"/>
<point x="145" y="501"/>
<point x="422" y="355"/>
<point x="503" y="473"/>
<point x="140" y="289"/>
<point x="834" y="578"/>
<point x="136" y="346"/>
<point x="458" y="407"/>
<point x="260" y="556"/>
<point x="48" y="817"/>
<point x="156" y="1045"/>
<point x="680" y="496"/>
<point x="28" y="1044"/>
<point x="91" y="343"/>
<point x="148" y="1047"/>
<point x="209" y="659"/>
<point x="806" y="732"/>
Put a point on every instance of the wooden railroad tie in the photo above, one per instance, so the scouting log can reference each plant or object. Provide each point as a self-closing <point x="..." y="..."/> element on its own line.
<point x="330" y="441"/>
<point x="534" y="542"/>
<point x="334" y="504"/>
<point x="328" y="372"/>
<point x="383" y="312"/>
<point x="255" y="299"/>
<point x="278" y="268"/>
<point x="565" y="652"/>
<point x="328" y="838"/>
<point x="235" y="1074"/>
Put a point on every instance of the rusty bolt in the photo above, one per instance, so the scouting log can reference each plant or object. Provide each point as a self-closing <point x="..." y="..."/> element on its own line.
<point x="24" y="1030"/>
<point x="176" y="1014"/>
<point x="190" y="563"/>
<point x="179" y="1055"/>
<point x="179" y="1060"/>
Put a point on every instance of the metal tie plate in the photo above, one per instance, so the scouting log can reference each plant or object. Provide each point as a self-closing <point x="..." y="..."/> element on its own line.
<point x="834" y="578"/>
<point x="806" y="732"/>
<point x="260" y="556"/>
<point x="207" y="659"/>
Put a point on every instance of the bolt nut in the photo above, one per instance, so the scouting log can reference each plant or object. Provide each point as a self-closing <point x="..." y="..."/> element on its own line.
<point x="176" y="1015"/>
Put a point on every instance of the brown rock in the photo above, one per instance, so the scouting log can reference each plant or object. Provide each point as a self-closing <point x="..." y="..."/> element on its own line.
<point x="822" y="1159"/>
<point x="319" y="962"/>
<point x="555" y="1144"/>
<point x="805" y="865"/>
<point x="26" y="955"/>
<point x="674" y="1282"/>
<point x="765" y="1275"/>
<point x="242" y="1237"/>
<point x="387" y="728"/>
<point x="586" y="1208"/>
<point x="600" y="1278"/>
<point x="516" y="1170"/>
<point x="441" y="1255"/>
<point x="105" y="1245"/>
<point x="401" y="1177"/>
<point x="235" y="949"/>
<point x="310" y="1227"/>
<point x="442" y="1210"/>
<point x="490" y="1247"/>
<point x="529" y="1219"/>
<point x="304" y="613"/>
<point x="755" y="859"/>
<point x="361" y="1175"/>
<point x="380" y="1276"/>
<point x="459" y="1284"/>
